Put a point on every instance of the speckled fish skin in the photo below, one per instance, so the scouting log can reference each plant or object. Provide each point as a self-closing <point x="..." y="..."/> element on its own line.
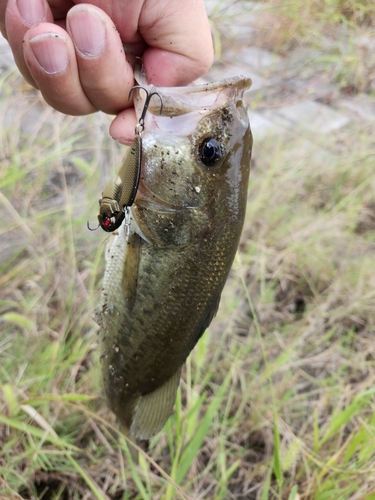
<point x="162" y="286"/>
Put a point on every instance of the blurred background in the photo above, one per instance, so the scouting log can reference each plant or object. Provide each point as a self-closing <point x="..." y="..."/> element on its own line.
<point x="277" y="399"/>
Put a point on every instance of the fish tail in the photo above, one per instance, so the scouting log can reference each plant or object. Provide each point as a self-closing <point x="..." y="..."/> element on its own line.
<point x="154" y="408"/>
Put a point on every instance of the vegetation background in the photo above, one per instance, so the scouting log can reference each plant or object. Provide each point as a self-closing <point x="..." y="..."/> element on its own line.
<point x="277" y="400"/>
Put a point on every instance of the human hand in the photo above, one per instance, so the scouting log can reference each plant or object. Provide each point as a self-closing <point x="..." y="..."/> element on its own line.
<point x="81" y="57"/>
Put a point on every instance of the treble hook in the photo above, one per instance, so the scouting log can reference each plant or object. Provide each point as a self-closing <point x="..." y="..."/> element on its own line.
<point x="141" y="122"/>
<point x="91" y="228"/>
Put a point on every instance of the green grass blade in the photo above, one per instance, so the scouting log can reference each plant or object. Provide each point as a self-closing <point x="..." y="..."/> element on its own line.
<point x="293" y="493"/>
<point x="194" y="445"/>
<point x="276" y="456"/>
<point x="38" y="433"/>
<point x="99" y="494"/>
<point x="267" y="485"/>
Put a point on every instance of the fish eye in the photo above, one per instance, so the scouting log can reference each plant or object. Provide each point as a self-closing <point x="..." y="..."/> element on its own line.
<point x="211" y="151"/>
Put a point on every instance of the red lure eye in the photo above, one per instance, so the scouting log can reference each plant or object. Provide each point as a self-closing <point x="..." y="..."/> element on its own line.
<point x="107" y="222"/>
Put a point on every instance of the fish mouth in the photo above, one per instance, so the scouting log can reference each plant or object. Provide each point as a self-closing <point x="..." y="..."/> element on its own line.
<point x="179" y="101"/>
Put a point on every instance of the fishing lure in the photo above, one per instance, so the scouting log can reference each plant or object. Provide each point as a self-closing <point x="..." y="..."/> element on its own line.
<point x="120" y="192"/>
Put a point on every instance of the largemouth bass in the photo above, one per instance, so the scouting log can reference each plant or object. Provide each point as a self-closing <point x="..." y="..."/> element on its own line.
<point x="166" y="270"/>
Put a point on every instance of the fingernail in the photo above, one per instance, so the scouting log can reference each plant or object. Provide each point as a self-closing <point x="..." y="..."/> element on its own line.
<point x="51" y="52"/>
<point x="87" y="29"/>
<point x="31" y="11"/>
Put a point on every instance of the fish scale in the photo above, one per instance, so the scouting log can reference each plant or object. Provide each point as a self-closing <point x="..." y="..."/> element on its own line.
<point x="165" y="275"/>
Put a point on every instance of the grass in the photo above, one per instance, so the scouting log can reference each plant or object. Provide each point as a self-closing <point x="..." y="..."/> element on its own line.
<point x="277" y="399"/>
<point x="338" y="33"/>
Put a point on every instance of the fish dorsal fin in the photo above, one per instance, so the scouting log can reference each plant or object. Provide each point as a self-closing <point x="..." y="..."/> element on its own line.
<point x="154" y="408"/>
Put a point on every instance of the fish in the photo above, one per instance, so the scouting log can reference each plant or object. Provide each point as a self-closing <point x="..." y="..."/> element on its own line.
<point x="166" y="270"/>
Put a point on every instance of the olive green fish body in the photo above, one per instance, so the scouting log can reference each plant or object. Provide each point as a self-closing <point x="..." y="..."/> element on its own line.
<point x="163" y="283"/>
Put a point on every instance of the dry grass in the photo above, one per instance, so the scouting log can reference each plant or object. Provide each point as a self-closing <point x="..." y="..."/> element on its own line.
<point x="341" y="32"/>
<point x="277" y="399"/>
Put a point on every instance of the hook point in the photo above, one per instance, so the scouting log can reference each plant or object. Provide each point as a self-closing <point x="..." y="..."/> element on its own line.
<point x="90" y="228"/>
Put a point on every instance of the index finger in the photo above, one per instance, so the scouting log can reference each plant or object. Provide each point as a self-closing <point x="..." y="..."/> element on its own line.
<point x="179" y="38"/>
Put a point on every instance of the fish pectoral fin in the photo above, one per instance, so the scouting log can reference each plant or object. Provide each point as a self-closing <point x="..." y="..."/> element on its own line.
<point x="154" y="409"/>
<point x="131" y="267"/>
